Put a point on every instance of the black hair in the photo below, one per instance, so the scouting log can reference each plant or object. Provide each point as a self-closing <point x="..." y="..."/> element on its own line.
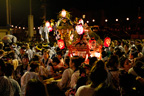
<point x="98" y="73"/>
<point x="3" y="67"/>
<point x="122" y="61"/>
<point x="55" y="59"/>
<point x="112" y="61"/>
<point x="35" y="88"/>
<point x="67" y="60"/>
<point x="33" y="66"/>
<point x="9" y="69"/>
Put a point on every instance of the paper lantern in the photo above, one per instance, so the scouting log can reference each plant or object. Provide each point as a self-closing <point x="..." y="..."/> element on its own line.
<point x="63" y="13"/>
<point x="61" y="44"/>
<point x="50" y="28"/>
<point x="79" y="29"/>
<point x="47" y="24"/>
<point x="107" y="42"/>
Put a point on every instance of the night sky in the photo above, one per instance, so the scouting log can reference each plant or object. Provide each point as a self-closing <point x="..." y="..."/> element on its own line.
<point x="111" y="9"/>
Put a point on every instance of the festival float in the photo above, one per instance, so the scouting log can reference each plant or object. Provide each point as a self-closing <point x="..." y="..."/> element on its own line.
<point x="77" y="37"/>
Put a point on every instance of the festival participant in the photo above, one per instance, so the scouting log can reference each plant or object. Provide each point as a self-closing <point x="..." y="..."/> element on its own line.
<point x="98" y="75"/>
<point x="44" y="32"/>
<point x="13" y="59"/>
<point x="35" y="87"/>
<point x="42" y="70"/>
<point x="113" y="72"/>
<point x="32" y="74"/>
<point x="127" y="80"/>
<point x="22" y="68"/>
<point x="6" y="86"/>
<point x="75" y="62"/>
<point x="64" y="83"/>
<point x="28" y="51"/>
<point x="9" y="73"/>
<point x="46" y="59"/>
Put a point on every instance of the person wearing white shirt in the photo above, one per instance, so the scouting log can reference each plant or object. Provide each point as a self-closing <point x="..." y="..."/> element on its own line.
<point x="44" y="33"/>
<point x="32" y="74"/>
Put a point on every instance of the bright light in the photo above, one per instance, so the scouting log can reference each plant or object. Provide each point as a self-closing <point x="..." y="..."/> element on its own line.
<point x="117" y="20"/>
<point x="34" y="28"/>
<point x="38" y="27"/>
<point x="23" y="27"/>
<point x="47" y="24"/>
<point x="19" y="27"/>
<point x="12" y="25"/>
<point x="106" y="20"/>
<point x="15" y="26"/>
<point x="87" y="21"/>
<point x="93" y="20"/>
<point x="63" y="13"/>
<point x="83" y="16"/>
<point x="127" y="19"/>
<point x="79" y="29"/>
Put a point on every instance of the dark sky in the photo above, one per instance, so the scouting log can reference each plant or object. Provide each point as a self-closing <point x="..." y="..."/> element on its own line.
<point x="111" y="9"/>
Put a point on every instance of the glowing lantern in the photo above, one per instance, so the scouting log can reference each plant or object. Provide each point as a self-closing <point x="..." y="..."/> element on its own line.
<point x="61" y="44"/>
<point x="107" y="42"/>
<point x="63" y="13"/>
<point x="92" y="43"/>
<point x="79" y="29"/>
<point x="50" y="28"/>
<point x="47" y="24"/>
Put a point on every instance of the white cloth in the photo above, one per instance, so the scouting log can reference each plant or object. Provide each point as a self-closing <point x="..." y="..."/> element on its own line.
<point x="85" y="90"/>
<point x="30" y="53"/>
<point x="45" y="30"/>
<point x="65" y="80"/>
<point x="25" y="78"/>
<point x="74" y="78"/>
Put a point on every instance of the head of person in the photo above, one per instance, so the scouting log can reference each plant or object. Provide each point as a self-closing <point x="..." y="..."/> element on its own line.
<point x="1" y="53"/>
<point x="9" y="69"/>
<point x="139" y="68"/>
<point x="125" y="63"/>
<point x="66" y="61"/>
<point x="11" y="54"/>
<point x="35" y="88"/>
<point x="23" y="50"/>
<point x="59" y="54"/>
<point x="25" y="59"/>
<point x="113" y="62"/>
<point x="98" y="73"/>
<point x="34" y="67"/>
<point x="126" y="46"/>
<point x="46" y="53"/>
<point x="2" y="67"/>
<point x="92" y="60"/>
<point x="75" y="62"/>
<point x="55" y="61"/>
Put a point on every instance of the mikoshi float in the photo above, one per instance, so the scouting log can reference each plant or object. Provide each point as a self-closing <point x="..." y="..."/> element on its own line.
<point x="77" y="37"/>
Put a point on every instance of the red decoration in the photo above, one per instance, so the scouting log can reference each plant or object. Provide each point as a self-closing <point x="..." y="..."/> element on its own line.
<point x="61" y="44"/>
<point x="92" y="43"/>
<point x="107" y="42"/>
<point x="50" y="28"/>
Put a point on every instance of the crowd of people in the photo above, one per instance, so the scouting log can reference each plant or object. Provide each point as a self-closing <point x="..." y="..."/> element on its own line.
<point x="39" y="69"/>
